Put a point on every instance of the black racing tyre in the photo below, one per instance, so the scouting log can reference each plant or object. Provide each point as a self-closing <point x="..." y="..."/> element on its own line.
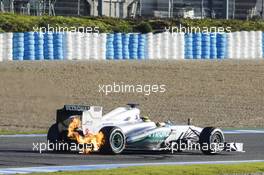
<point x="114" y="140"/>
<point x="209" y="136"/>
<point x="53" y="136"/>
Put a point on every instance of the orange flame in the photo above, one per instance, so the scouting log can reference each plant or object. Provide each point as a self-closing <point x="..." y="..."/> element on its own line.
<point x="96" y="140"/>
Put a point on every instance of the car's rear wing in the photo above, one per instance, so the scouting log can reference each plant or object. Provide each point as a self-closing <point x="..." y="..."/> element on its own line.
<point x="87" y="113"/>
<point x="69" y="110"/>
<point x="76" y="108"/>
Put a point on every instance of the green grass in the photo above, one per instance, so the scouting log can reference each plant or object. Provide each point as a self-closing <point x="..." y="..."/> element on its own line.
<point x="22" y="23"/>
<point x="175" y="170"/>
<point x="6" y="132"/>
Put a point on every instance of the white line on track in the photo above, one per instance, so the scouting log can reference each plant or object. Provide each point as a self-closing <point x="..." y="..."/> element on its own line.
<point x="244" y="131"/>
<point x="47" y="169"/>
<point x="22" y="135"/>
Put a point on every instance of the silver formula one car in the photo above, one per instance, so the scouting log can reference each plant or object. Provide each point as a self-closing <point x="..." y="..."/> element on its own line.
<point x="125" y="129"/>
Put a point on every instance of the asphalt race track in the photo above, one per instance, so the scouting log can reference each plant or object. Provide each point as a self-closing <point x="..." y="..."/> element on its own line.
<point x="17" y="152"/>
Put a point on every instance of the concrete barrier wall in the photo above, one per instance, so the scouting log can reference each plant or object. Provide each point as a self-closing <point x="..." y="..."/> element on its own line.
<point x="126" y="46"/>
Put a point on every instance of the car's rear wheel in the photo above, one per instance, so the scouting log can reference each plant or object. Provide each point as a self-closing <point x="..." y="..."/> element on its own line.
<point x="211" y="140"/>
<point x="53" y="134"/>
<point x="114" y="140"/>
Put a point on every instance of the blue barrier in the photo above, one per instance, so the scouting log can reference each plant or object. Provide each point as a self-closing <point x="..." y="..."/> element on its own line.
<point x="110" y="47"/>
<point x="133" y="46"/>
<point x="197" y="45"/>
<point x="51" y="46"/>
<point x="206" y="46"/>
<point x="125" y="41"/>
<point x="188" y="46"/>
<point x="48" y="46"/>
<point x="29" y="46"/>
<point x="213" y="47"/>
<point x="39" y="46"/>
<point x="221" y="45"/>
<point x="18" y="46"/>
<point x="141" y="46"/>
<point x="262" y="44"/>
<point x="118" y="49"/>
<point x="58" y="46"/>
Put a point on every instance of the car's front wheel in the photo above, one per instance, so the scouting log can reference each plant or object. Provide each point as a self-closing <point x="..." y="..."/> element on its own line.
<point x="114" y="140"/>
<point x="211" y="140"/>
